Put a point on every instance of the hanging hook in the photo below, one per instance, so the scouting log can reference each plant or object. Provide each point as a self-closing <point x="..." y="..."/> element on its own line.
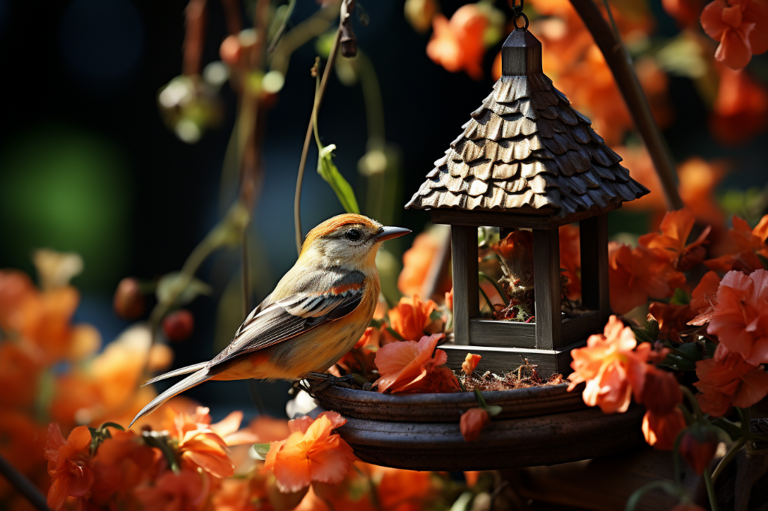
<point x="517" y="10"/>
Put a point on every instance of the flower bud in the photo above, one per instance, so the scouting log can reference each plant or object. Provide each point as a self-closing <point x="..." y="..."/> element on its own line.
<point x="698" y="447"/>
<point x="231" y="50"/>
<point x="472" y="423"/>
<point x="661" y="392"/>
<point x="128" y="300"/>
<point x="178" y="325"/>
<point x="660" y="431"/>
<point x="470" y="363"/>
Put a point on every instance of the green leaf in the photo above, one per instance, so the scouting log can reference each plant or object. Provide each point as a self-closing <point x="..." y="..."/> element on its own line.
<point x="463" y="502"/>
<point x="710" y="346"/>
<point x="436" y="315"/>
<point x="680" y="297"/>
<point x="764" y="261"/>
<point x="493" y="410"/>
<point x="261" y="450"/>
<point x="683" y="358"/>
<point x="331" y="174"/>
<point x="641" y="335"/>
<point x="175" y="288"/>
<point x="106" y="425"/>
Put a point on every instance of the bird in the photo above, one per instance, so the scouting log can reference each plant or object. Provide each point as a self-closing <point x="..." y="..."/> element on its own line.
<point x="316" y="313"/>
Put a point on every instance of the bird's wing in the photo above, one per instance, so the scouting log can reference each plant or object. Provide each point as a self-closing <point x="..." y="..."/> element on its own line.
<point x="272" y="323"/>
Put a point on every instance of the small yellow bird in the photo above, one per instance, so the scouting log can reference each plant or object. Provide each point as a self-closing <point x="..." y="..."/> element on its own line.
<point x="316" y="313"/>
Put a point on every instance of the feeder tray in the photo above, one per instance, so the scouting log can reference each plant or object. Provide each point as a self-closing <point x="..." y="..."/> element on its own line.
<point x="538" y="426"/>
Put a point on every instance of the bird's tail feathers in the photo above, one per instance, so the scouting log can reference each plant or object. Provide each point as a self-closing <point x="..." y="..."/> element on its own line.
<point x="187" y="383"/>
<point x="177" y="372"/>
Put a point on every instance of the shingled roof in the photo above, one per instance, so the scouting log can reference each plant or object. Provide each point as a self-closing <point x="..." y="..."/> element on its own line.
<point x="527" y="149"/>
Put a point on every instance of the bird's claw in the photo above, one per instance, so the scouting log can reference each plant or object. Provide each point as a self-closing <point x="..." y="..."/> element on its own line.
<point x="327" y="380"/>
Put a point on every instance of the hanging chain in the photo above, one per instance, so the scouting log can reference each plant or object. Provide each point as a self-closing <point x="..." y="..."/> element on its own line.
<point x="517" y="11"/>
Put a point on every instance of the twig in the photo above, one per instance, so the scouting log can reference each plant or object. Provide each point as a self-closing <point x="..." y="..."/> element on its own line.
<point x="232" y="16"/>
<point x="23" y="485"/>
<point x="194" y="37"/>
<point x="616" y="57"/>
<point x="310" y="128"/>
<point x="283" y="25"/>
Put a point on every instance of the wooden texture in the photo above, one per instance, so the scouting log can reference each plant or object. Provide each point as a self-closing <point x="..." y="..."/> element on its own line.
<point x="533" y="220"/>
<point x="520" y="54"/>
<point x="518" y="403"/>
<point x="581" y="327"/>
<point x="595" y="292"/>
<point x="485" y="332"/>
<point x="503" y="360"/>
<point x="546" y="288"/>
<point x="527" y="149"/>
<point x="466" y="301"/>
<point x="533" y="441"/>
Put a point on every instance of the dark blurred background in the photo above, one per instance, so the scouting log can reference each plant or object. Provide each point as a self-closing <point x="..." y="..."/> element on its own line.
<point x="87" y="165"/>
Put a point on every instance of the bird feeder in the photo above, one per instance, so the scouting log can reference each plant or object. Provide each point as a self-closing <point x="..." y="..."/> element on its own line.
<point x="527" y="159"/>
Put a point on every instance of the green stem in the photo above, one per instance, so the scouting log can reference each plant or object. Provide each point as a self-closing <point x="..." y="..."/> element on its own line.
<point x="692" y="399"/>
<point x="499" y="290"/>
<point x="487" y="300"/>
<point x="735" y="448"/>
<point x="283" y="25"/>
<point x="676" y="457"/>
<point x="310" y="129"/>
<point x="709" y="483"/>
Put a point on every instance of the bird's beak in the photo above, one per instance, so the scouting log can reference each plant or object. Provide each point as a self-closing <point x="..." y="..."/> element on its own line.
<point x="387" y="233"/>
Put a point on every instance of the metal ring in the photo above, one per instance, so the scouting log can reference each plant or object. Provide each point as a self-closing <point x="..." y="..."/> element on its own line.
<point x="527" y="21"/>
<point x="517" y="8"/>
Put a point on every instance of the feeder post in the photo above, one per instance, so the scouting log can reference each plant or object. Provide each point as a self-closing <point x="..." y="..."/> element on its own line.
<point x="466" y="301"/>
<point x="546" y="288"/>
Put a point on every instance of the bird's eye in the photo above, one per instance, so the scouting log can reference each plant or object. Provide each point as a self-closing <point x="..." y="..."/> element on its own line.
<point x="353" y="234"/>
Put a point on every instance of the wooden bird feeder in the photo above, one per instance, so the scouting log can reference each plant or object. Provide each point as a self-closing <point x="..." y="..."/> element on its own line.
<point x="527" y="159"/>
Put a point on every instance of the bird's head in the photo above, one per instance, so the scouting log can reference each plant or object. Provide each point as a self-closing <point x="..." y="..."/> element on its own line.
<point x="348" y="240"/>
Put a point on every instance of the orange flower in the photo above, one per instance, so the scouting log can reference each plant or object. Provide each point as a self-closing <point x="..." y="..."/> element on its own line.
<point x="404" y="490"/>
<point x="122" y="463"/>
<point x="570" y="259"/>
<point x="411" y="316"/>
<point x="611" y="366"/>
<point x="726" y="383"/>
<point x="672" y="319"/>
<point x="660" y="431"/>
<point x="470" y="363"/>
<point x="638" y="274"/>
<point x="416" y="264"/>
<point x="686" y="12"/>
<point x="741" y="108"/>
<point x="740" y="316"/>
<point x="458" y="44"/>
<point x="311" y="453"/>
<point x="740" y="27"/>
<point x="748" y="244"/>
<point x="200" y="445"/>
<point x="18" y="374"/>
<point x="675" y="229"/>
<point x="472" y="423"/>
<point x="69" y="465"/>
<point x="449" y="299"/>
<point x="704" y="298"/>
<point x="182" y="491"/>
<point x="409" y="367"/>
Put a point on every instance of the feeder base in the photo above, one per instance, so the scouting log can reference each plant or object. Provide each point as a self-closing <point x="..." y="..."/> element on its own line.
<point x="501" y="360"/>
